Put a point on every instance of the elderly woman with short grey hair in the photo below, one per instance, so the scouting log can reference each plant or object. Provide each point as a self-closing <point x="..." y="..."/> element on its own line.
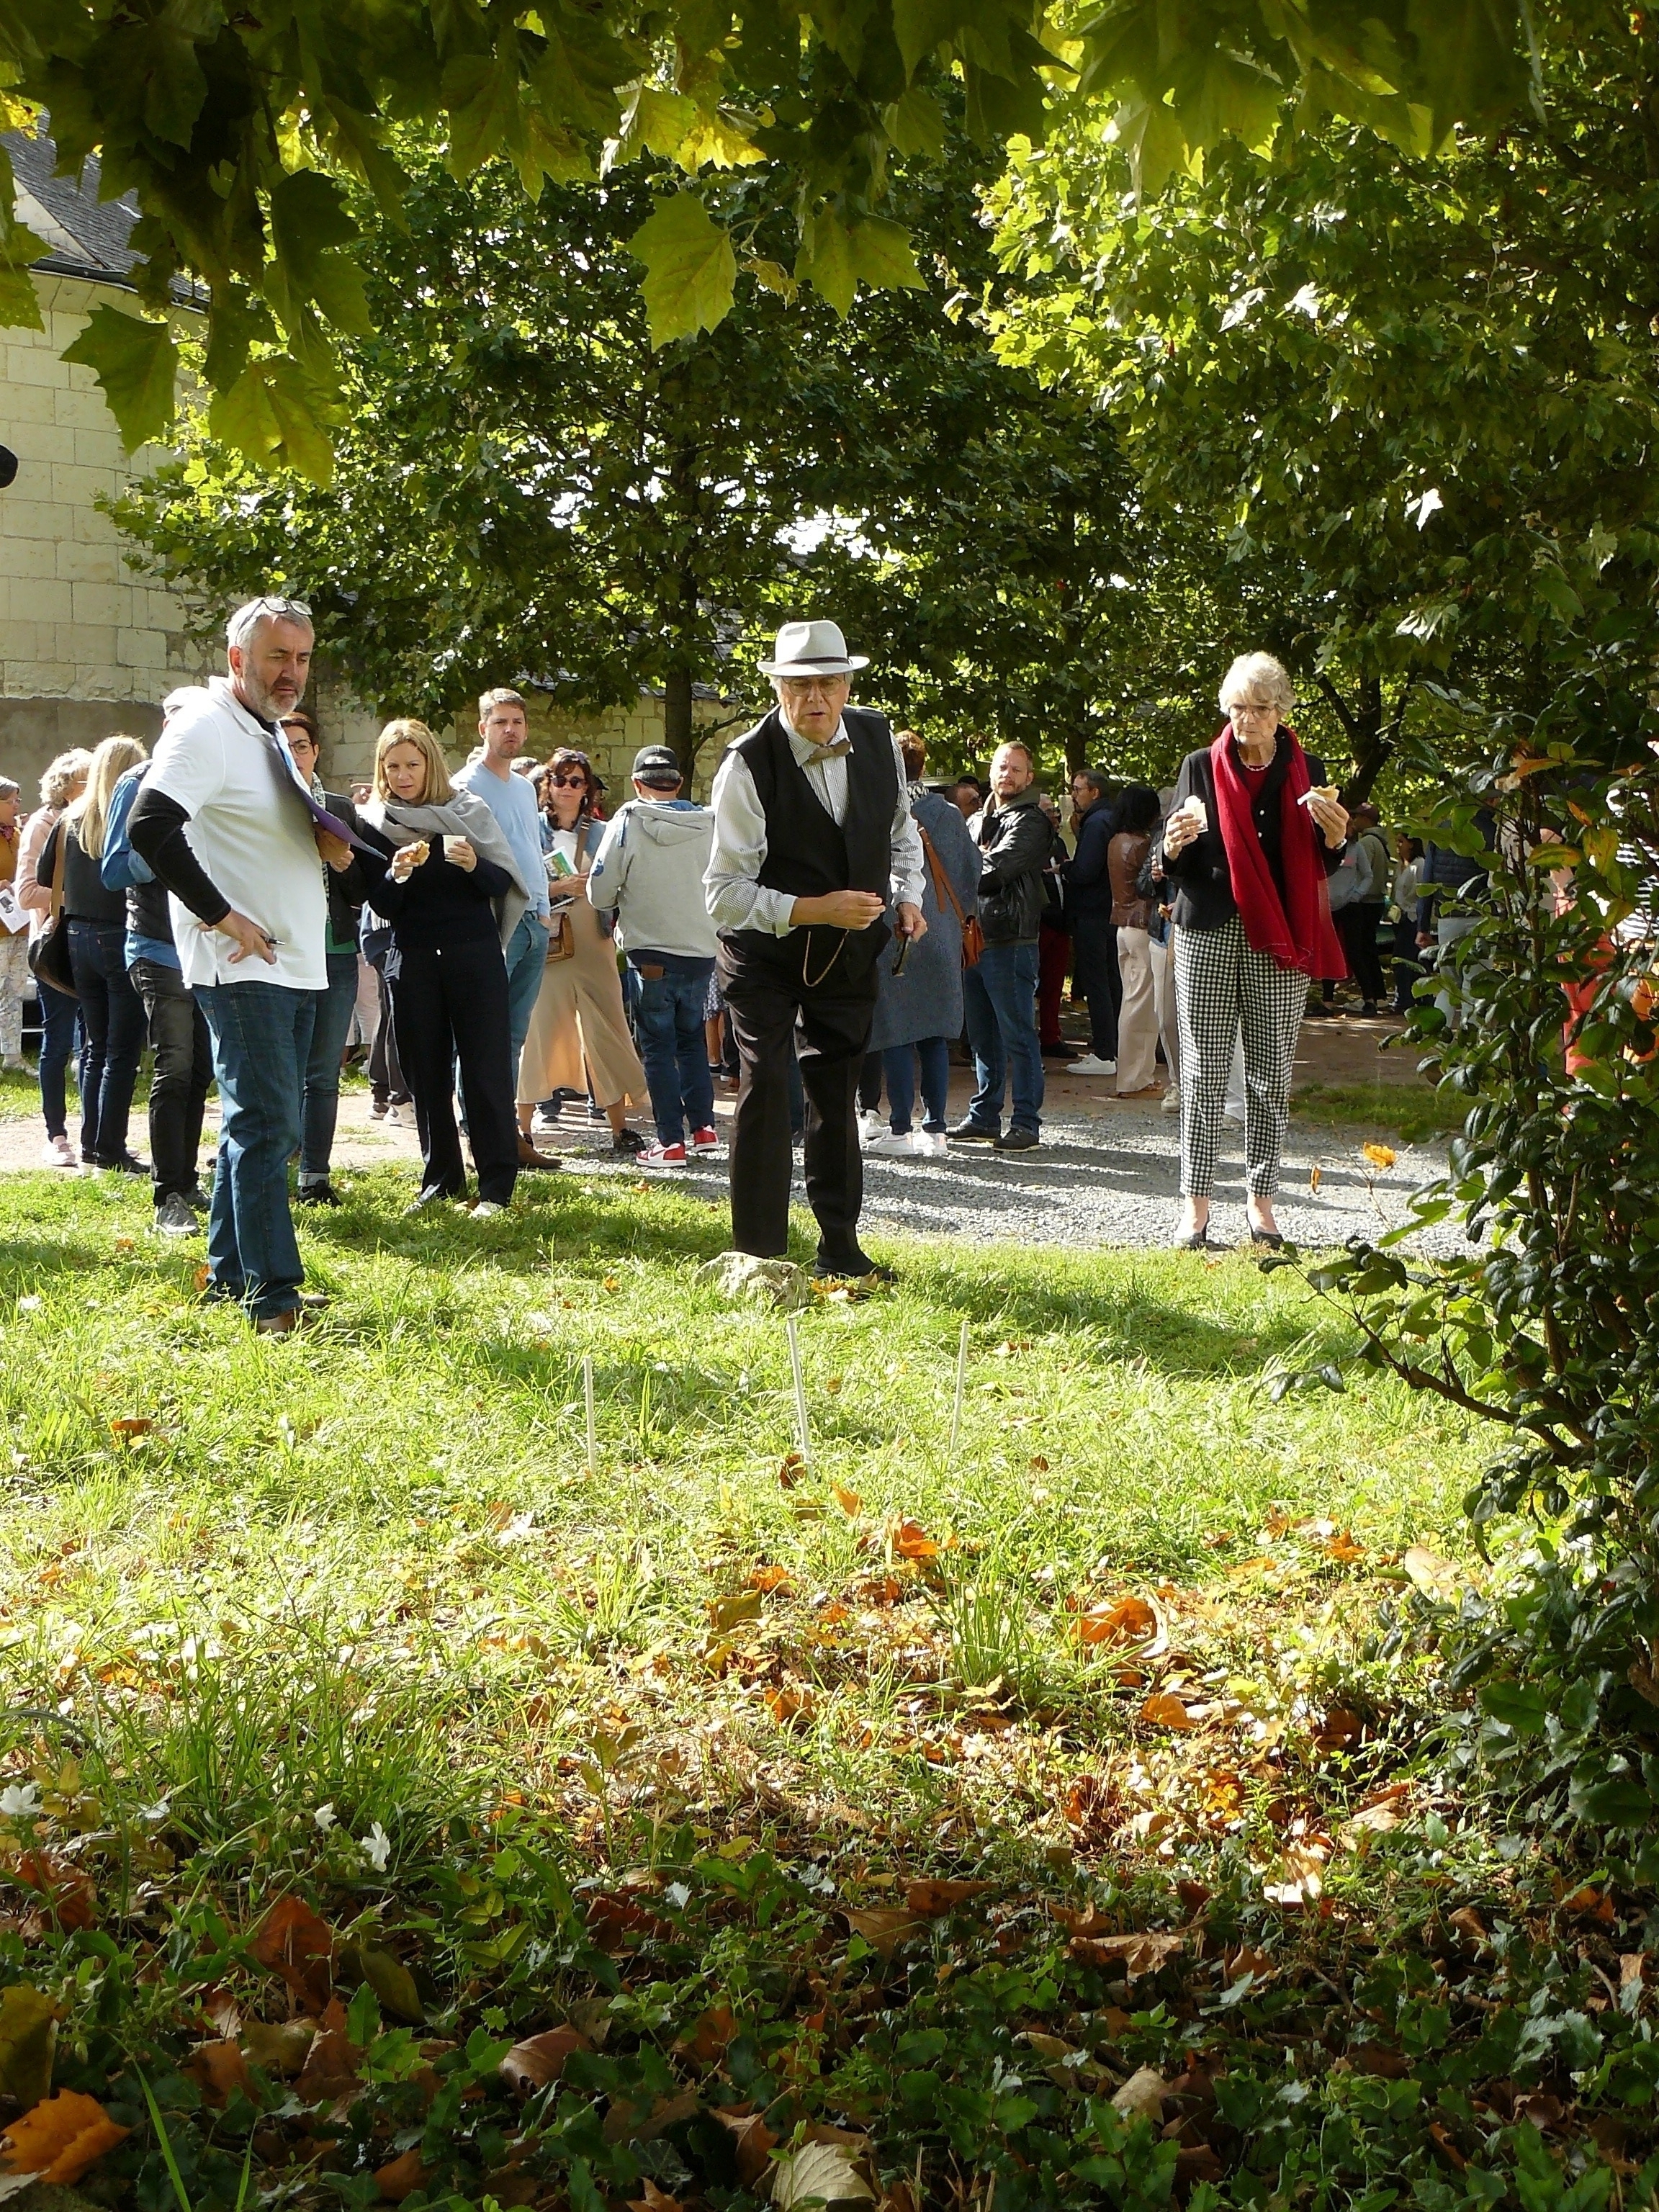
<point x="1254" y="834"/>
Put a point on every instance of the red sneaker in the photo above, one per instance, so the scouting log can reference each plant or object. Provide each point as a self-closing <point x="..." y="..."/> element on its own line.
<point x="705" y="1140"/>
<point x="661" y="1159"/>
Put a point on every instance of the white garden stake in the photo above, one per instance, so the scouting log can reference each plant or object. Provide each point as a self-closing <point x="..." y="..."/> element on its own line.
<point x="587" y="1394"/>
<point x="962" y="1380"/>
<point x="800" y="1391"/>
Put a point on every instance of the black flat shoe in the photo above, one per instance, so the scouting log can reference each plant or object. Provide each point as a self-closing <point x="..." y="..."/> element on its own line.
<point x="1270" y="1239"/>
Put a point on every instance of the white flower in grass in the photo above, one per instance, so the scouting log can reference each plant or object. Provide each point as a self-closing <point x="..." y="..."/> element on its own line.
<point x="326" y="1817"/>
<point x="30" y="1304"/>
<point x="376" y="1848"/>
<point x="20" y="1801"/>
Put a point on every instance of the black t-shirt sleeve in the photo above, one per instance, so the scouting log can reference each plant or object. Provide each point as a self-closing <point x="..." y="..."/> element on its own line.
<point x="157" y="828"/>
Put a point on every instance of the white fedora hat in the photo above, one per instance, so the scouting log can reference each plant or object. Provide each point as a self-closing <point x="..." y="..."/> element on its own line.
<point x="812" y="648"/>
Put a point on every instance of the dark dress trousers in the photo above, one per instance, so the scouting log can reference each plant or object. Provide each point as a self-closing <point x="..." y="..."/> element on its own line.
<point x="811" y="991"/>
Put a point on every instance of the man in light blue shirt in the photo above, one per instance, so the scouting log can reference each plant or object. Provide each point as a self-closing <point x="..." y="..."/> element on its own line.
<point x="503" y="728"/>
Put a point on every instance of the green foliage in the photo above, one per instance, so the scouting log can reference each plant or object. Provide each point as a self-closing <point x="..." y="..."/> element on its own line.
<point x="689" y="269"/>
<point x="137" y="363"/>
<point x="214" y="115"/>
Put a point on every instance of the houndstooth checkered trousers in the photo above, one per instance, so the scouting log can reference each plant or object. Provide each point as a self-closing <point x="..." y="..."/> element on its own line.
<point x="1223" y="986"/>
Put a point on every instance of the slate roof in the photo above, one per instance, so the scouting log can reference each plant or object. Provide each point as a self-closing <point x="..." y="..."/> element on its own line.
<point x="86" y="236"/>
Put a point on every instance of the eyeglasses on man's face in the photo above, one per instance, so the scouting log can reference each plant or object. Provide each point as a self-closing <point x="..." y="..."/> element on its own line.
<point x="802" y="687"/>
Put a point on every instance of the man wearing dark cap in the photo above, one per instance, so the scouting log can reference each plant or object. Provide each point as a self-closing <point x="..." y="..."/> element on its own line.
<point x="648" y="868"/>
<point x="813" y="839"/>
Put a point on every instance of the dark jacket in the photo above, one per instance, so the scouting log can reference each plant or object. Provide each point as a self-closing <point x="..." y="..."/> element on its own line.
<point x="439" y="905"/>
<point x="1444" y="870"/>
<point x="1202" y="881"/>
<point x="348" y="888"/>
<point x="1088" y="881"/>
<point x="1015" y="842"/>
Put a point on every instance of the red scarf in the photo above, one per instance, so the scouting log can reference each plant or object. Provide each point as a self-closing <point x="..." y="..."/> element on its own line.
<point x="1297" y="931"/>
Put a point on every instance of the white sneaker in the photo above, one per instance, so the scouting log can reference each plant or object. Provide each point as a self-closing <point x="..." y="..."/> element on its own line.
<point x="60" y="1153"/>
<point x="175" y="1216"/>
<point x="871" y="1126"/>
<point x="1089" y="1066"/>
<point x="394" y="1117"/>
<point x="487" y="1208"/>
<point x="1171" y="1102"/>
<point x="931" y="1145"/>
<point x="544" y="1124"/>
<point x="892" y="1145"/>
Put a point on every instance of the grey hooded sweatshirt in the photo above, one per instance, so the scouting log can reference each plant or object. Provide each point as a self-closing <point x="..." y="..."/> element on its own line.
<point x="649" y="867"/>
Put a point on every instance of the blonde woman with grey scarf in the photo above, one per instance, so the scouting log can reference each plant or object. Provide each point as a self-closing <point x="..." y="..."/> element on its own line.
<point x="440" y="873"/>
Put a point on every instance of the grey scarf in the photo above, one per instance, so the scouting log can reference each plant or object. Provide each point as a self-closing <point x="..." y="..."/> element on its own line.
<point x="463" y="814"/>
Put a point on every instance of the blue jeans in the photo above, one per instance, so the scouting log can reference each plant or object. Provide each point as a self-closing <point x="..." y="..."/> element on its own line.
<point x="261" y="1036"/>
<point x="321" y="1107"/>
<point x="675" y="1051"/>
<point x="59" y="1016"/>
<point x="1000" y="997"/>
<point x="113" y="1027"/>
<point x="526" y="964"/>
<point x="899" y="1068"/>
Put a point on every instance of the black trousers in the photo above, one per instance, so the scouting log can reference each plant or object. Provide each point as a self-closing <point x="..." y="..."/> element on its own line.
<point x="774" y="1017"/>
<point x="449" y="1003"/>
<point x="184" y="1068"/>
<point x="1357" y="926"/>
<point x="1095" y="974"/>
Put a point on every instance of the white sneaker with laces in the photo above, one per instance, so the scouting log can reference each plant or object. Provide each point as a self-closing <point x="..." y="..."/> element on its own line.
<point x="1171" y="1100"/>
<point x="60" y="1153"/>
<point x="487" y="1208"/>
<point x="394" y="1117"/>
<point x="1089" y="1066"/>
<point x="931" y="1145"/>
<point x="871" y="1126"/>
<point x="891" y="1146"/>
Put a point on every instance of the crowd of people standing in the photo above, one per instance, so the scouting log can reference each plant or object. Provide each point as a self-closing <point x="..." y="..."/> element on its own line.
<point x="842" y="921"/>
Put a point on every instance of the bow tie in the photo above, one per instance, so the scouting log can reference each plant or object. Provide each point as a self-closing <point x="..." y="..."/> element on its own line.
<point x="837" y="749"/>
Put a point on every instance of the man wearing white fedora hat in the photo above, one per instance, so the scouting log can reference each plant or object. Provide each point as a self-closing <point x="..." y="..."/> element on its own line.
<point x="812" y="839"/>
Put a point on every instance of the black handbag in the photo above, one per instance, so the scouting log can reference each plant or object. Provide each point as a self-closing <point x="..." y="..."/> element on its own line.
<point x="49" y="953"/>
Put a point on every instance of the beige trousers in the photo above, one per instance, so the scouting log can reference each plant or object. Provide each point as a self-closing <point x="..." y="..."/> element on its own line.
<point x="1137" y="1018"/>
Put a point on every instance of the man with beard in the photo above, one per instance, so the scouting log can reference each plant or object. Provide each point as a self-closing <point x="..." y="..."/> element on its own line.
<point x="223" y="821"/>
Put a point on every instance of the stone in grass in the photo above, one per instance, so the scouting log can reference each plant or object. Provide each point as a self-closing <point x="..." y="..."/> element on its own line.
<point x="778" y="1283"/>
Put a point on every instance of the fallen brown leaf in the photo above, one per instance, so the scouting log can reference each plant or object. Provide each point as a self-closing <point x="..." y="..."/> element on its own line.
<point x="540" y="2059"/>
<point x="132" y="1425"/>
<point x="911" y="1541"/>
<point x="1140" y="1954"/>
<point x="653" y="2199"/>
<point x="331" y="2064"/>
<point x="1116" y="1621"/>
<point x="59" y="2138"/>
<point x="219" y="2069"/>
<point x="1142" y="2095"/>
<point x="752" y="2141"/>
<point x="884" y="1927"/>
<point x="711" y="2033"/>
<point x="848" y="1500"/>
<point x="1164" y="1710"/>
<point x="293" y="1941"/>
<point x="771" y="1578"/>
<point x="1435" y="1576"/>
<point x="279" y="2046"/>
<point x="933" y="1898"/>
<point x="401" y="2176"/>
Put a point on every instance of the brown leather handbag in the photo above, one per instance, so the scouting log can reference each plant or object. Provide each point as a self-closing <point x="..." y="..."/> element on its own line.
<point x="973" y="937"/>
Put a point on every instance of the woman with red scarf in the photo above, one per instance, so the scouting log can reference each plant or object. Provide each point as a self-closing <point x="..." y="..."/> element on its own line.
<point x="1249" y="844"/>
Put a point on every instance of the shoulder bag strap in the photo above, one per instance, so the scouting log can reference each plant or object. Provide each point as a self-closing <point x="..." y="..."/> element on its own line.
<point x="944" y="889"/>
<point x="60" y="830"/>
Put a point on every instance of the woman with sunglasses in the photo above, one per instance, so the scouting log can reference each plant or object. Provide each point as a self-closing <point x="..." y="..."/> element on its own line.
<point x="578" y="1017"/>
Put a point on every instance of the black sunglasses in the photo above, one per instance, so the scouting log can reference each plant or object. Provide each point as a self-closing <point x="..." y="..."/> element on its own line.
<point x="565" y="782"/>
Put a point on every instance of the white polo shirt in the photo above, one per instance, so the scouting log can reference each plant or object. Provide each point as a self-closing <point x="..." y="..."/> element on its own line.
<point x="251" y="832"/>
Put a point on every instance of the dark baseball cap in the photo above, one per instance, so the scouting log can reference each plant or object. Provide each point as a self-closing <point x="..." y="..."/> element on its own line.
<point x="657" y="768"/>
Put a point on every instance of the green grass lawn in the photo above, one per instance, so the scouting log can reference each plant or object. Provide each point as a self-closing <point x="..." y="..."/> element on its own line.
<point x="675" y="1754"/>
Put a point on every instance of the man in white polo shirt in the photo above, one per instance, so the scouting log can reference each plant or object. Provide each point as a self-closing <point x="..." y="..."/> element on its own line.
<point x="221" y="822"/>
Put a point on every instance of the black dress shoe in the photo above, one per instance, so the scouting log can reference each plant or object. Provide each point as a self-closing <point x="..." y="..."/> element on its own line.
<point x="318" y="1194"/>
<point x="1198" y="1242"/>
<point x="973" y="1133"/>
<point x="1018" y="1140"/>
<point x="1270" y="1239"/>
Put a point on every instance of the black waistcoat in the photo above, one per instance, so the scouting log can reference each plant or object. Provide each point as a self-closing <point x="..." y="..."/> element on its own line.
<point x="808" y="853"/>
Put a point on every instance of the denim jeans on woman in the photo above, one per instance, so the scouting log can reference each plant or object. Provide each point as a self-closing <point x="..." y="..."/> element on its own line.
<point x="320" y="1109"/>
<point x="179" y="1081"/>
<point x="1000" y="996"/>
<point x="113" y="1027"/>
<point x="934" y="1054"/>
<point x="668" y="1021"/>
<point x="261" y="1036"/>
<point x="60" y="1016"/>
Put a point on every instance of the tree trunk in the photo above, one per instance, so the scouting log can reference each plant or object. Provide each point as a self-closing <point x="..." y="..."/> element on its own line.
<point x="676" y="717"/>
<point x="1372" y="729"/>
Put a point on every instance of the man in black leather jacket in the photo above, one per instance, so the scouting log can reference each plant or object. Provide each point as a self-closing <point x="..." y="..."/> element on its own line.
<point x="1013" y="836"/>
